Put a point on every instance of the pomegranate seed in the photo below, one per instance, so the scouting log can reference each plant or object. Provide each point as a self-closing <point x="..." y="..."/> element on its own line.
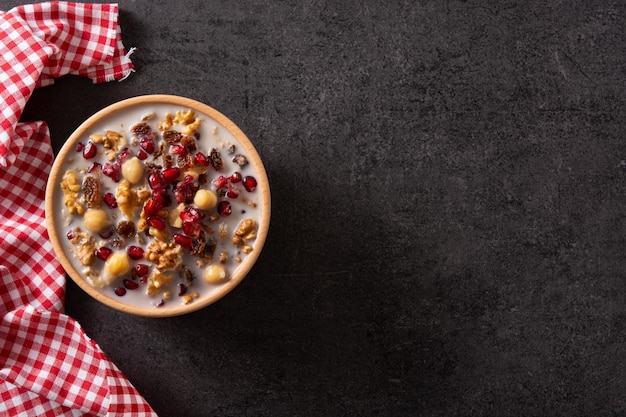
<point x="79" y="147"/>
<point x="233" y="192"/>
<point x="191" y="215"/>
<point x="224" y="208"/>
<point x="177" y="149"/>
<point x="153" y="206"/>
<point x="191" y="229"/>
<point x="184" y="241"/>
<point x="156" y="222"/>
<point x="147" y="144"/>
<point x="142" y="155"/>
<point x="155" y="180"/>
<point x="94" y="167"/>
<point x="220" y="181"/>
<point x="112" y="171"/>
<point x="110" y="200"/>
<point x="135" y="252"/>
<point x="120" y="291"/>
<point x="235" y="177"/>
<point x="249" y="183"/>
<point x="131" y="285"/>
<point x="182" y="289"/>
<point x="70" y="235"/>
<point x="90" y="150"/>
<point x="202" y="160"/>
<point x="171" y="174"/>
<point x="123" y="156"/>
<point x="141" y="270"/>
<point x="103" y="253"/>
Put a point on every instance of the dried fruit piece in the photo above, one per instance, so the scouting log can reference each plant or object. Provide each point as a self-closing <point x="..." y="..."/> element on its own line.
<point x="91" y="191"/>
<point x="141" y="129"/>
<point x="126" y="229"/>
<point x="216" y="159"/>
<point x="240" y="160"/>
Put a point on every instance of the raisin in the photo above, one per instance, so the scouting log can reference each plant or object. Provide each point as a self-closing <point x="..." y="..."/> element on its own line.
<point x="240" y="160"/>
<point x="168" y="160"/>
<point x="203" y="247"/>
<point x="216" y="160"/>
<point x="117" y="242"/>
<point x="185" y="162"/>
<point x="126" y="229"/>
<point x="171" y="136"/>
<point x="232" y="149"/>
<point x="187" y="276"/>
<point x="141" y="129"/>
<point x="91" y="190"/>
<point x="189" y="143"/>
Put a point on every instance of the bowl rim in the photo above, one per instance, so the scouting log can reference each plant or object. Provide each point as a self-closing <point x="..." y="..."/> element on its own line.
<point x="262" y="187"/>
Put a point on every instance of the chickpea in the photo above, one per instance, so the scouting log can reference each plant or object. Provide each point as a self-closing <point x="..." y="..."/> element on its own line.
<point x="205" y="199"/>
<point x="115" y="266"/>
<point x="133" y="170"/>
<point x="214" y="274"/>
<point x="95" y="220"/>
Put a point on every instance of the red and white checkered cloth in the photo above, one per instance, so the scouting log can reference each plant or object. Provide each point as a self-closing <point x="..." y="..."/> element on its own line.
<point x="48" y="365"/>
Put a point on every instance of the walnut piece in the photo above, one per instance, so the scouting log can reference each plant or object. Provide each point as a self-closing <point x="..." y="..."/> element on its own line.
<point x="85" y="247"/>
<point x="184" y="117"/>
<point x="110" y="140"/>
<point x="70" y="187"/>
<point x="191" y="128"/>
<point x="245" y="232"/>
<point x="165" y="255"/>
<point x="166" y="123"/>
<point x="127" y="199"/>
<point x="156" y="281"/>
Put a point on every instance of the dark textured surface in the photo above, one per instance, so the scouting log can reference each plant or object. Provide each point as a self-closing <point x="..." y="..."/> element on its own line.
<point x="449" y="189"/>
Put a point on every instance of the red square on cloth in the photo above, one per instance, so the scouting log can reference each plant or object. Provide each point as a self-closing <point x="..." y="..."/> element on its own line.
<point x="48" y="365"/>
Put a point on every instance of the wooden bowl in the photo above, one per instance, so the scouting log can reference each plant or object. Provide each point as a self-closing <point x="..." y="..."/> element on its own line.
<point x="216" y="132"/>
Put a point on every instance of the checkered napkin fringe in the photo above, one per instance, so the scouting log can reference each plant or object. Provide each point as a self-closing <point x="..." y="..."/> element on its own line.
<point x="48" y="366"/>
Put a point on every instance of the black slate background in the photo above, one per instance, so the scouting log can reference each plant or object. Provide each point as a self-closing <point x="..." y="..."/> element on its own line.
<point x="448" y="186"/>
